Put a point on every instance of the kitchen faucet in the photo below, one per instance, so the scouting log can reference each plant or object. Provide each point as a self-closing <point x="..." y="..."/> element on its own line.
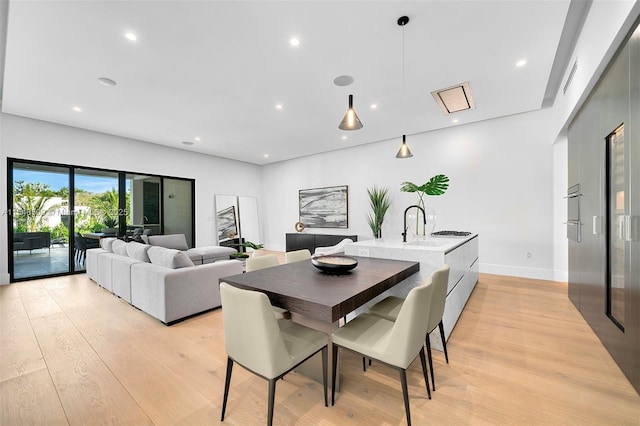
<point x="424" y="217"/>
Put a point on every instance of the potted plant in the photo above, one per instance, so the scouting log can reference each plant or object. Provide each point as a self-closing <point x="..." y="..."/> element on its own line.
<point x="248" y="244"/>
<point x="437" y="185"/>
<point x="379" y="202"/>
<point x="238" y="255"/>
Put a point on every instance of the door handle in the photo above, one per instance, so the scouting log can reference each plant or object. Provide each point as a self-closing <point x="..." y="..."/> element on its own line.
<point x="597" y="225"/>
<point x="631" y="228"/>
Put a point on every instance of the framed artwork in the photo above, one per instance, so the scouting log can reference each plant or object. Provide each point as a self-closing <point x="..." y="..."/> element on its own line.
<point x="325" y="207"/>
<point x="227" y="225"/>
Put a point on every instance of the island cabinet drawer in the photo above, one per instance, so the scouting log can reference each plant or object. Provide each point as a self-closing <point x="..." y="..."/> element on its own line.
<point x="457" y="265"/>
<point x="471" y="254"/>
<point x="463" y="260"/>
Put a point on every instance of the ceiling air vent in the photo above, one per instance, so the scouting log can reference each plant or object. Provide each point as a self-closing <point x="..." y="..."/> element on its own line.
<point x="455" y="98"/>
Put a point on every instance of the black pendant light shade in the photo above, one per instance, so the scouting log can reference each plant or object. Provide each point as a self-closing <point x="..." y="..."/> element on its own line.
<point x="404" y="151"/>
<point x="350" y="120"/>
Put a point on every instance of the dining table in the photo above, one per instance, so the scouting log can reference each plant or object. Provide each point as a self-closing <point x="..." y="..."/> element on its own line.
<point x="322" y="300"/>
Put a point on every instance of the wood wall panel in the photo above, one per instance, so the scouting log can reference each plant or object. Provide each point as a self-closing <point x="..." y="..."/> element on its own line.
<point x="614" y="101"/>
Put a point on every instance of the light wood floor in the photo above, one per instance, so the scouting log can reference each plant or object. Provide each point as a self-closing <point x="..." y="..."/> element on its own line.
<point x="521" y="354"/>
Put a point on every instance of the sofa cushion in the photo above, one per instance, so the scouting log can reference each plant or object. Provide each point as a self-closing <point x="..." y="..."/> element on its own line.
<point x="169" y="258"/>
<point x="172" y="241"/>
<point x="106" y="244"/>
<point x="138" y="251"/>
<point x="210" y="254"/>
<point x="119" y="247"/>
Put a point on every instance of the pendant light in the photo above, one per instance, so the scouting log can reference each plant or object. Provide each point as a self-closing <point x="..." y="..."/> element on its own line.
<point x="404" y="151"/>
<point x="350" y="120"/>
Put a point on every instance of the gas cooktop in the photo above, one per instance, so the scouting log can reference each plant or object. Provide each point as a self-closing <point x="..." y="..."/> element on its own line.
<point x="450" y="234"/>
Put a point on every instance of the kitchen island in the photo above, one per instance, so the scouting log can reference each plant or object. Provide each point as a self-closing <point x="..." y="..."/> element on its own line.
<point x="461" y="253"/>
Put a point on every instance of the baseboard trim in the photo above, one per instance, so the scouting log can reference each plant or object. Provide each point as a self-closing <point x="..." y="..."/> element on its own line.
<point x="523" y="272"/>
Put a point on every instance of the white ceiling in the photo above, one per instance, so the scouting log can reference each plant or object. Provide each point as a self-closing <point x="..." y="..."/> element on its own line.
<point x="216" y="69"/>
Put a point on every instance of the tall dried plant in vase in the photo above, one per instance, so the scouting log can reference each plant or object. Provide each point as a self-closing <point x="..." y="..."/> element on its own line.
<point x="379" y="202"/>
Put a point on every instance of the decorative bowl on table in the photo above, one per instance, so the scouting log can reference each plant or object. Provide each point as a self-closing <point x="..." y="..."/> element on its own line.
<point x="334" y="264"/>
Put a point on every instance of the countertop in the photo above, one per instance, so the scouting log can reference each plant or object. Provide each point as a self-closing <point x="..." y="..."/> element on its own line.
<point x="441" y="244"/>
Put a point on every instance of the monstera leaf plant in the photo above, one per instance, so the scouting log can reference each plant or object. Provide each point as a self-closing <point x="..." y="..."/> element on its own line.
<point x="437" y="185"/>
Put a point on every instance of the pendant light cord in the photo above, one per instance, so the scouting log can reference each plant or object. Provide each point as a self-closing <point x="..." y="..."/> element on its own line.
<point x="404" y="96"/>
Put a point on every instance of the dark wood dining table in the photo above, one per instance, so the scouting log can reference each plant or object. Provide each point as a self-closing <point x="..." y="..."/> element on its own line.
<point x="303" y="289"/>
<point x="318" y="299"/>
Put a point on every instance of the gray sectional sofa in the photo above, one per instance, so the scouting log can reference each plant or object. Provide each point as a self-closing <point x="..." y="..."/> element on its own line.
<point x="165" y="282"/>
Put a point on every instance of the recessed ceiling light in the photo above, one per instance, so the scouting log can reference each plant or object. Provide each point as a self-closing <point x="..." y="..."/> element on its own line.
<point x="106" y="81"/>
<point x="344" y="137"/>
<point x="197" y="138"/>
<point x="374" y="106"/>
<point x="266" y="156"/>
<point x="294" y="41"/>
<point x="77" y="109"/>
<point x="455" y="120"/>
<point x="130" y="36"/>
<point x="521" y="63"/>
<point x="279" y="106"/>
<point x="186" y="143"/>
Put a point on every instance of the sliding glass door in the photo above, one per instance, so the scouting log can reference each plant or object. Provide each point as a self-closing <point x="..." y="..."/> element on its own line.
<point x="96" y="207"/>
<point x="40" y="243"/>
<point x="144" y="203"/>
<point x="58" y="211"/>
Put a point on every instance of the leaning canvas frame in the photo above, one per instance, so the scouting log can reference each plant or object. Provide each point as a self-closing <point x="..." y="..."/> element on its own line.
<point x="227" y="224"/>
<point x="324" y="207"/>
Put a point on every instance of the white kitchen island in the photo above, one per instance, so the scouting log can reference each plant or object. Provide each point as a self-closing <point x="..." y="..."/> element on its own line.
<point x="461" y="253"/>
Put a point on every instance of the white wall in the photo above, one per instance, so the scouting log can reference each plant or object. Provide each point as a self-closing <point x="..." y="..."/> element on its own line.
<point x="38" y="140"/>
<point x="560" y="183"/>
<point x="501" y="186"/>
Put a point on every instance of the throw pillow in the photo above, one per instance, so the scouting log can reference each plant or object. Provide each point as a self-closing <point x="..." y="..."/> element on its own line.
<point x="171" y="241"/>
<point x="119" y="247"/>
<point x="138" y="251"/>
<point x="169" y="258"/>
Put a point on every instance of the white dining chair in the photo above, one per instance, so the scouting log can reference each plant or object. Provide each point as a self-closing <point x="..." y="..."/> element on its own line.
<point x="262" y="262"/>
<point x="390" y="307"/>
<point x="395" y="344"/>
<point x="297" y="256"/>
<point x="267" y="347"/>
<point x="335" y="249"/>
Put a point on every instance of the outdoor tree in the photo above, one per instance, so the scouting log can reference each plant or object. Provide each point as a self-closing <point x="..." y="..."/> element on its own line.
<point x="31" y="202"/>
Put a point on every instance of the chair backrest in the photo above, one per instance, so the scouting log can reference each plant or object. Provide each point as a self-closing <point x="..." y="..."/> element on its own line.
<point x="407" y="336"/>
<point x="261" y="262"/>
<point x="81" y="244"/>
<point x="251" y="332"/>
<point x="297" y="256"/>
<point x="440" y="280"/>
<point x="338" y="248"/>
